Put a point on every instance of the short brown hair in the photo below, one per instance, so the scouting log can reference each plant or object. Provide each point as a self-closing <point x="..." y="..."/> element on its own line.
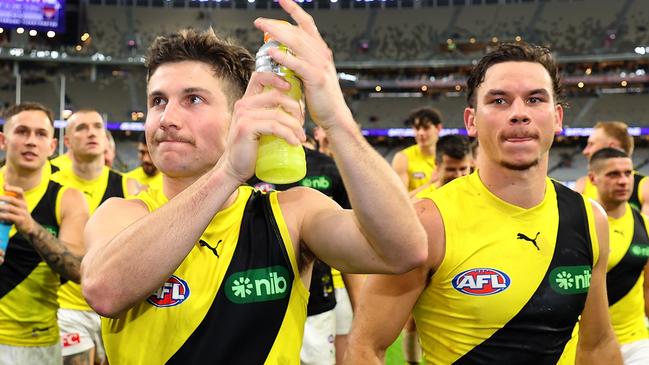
<point x="619" y="131"/>
<point x="28" y="106"/>
<point x="516" y="52"/>
<point x="232" y="63"/>
<point x="423" y="116"/>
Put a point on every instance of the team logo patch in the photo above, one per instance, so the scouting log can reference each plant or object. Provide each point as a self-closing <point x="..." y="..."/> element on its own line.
<point x="419" y="175"/>
<point x="173" y="292"/>
<point x="70" y="339"/>
<point x="570" y="279"/>
<point x="317" y="182"/>
<point x="640" y="249"/>
<point x="264" y="186"/>
<point x="481" y="282"/>
<point x="258" y="285"/>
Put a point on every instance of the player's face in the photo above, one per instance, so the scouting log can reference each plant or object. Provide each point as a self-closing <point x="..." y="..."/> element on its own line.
<point x="614" y="180"/>
<point x="86" y="135"/>
<point x="28" y="140"/>
<point x="452" y="168"/>
<point x="426" y="134"/>
<point x="145" y="159"/>
<point x="596" y="141"/>
<point x="515" y="118"/>
<point x="188" y="118"/>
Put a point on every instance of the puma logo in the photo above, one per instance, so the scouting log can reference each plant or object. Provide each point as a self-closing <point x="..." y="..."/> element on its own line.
<point x="521" y="236"/>
<point x="618" y="232"/>
<point x="213" y="249"/>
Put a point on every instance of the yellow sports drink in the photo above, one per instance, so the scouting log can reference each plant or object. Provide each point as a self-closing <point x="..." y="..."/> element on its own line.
<point x="279" y="162"/>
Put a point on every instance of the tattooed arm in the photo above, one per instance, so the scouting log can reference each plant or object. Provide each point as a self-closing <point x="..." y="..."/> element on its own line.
<point x="62" y="254"/>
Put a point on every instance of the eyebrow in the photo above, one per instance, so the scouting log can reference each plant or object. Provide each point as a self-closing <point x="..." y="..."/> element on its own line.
<point x="189" y="90"/>
<point x="498" y="92"/>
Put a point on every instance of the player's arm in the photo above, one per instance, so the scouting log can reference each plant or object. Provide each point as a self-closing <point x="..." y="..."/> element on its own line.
<point x="382" y="233"/>
<point x="54" y="250"/>
<point x="400" y="166"/>
<point x="646" y="289"/>
<point x="643" y="195"/>
<point x="353" y="285"/>
<point x="597" y="342"/>
<point x="131" y="252"/>
<point x="580" y="184"/>
<point x="386" y="301"/>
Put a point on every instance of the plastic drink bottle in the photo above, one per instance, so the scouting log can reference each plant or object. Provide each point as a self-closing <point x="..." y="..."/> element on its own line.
<point x="279" y="162"/>
<point x="5" y="227"/>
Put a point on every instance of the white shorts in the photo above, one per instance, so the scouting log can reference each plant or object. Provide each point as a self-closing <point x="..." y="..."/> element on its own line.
<point x="38" y="355"/>
<point x="344" y="312"/>
<point x="318" y="345"/>
<point x="636" y="353"/>
<point x="80" y="331"/>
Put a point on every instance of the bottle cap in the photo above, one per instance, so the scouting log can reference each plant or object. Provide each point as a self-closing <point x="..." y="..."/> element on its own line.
<point x="267" y="36"/>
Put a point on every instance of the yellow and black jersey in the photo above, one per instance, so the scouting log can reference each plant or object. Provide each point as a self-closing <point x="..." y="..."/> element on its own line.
<point x="237" y="298"/>
<point x="635" y="200"/>
<point x="624" y="282"/>
<point x="109" y="184"/>
<point x="27" y="284"/>
<point x="153" y="182"/>
<point x="62" y="162"/>
<point x="513" y="281"/>
<point x="420" y="167"/>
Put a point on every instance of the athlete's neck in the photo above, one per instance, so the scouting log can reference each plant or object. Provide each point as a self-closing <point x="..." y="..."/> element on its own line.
<point x="24" y="179"/>
<point x="173" y="186"/>
<point x="427" y="150"/>
<point x="88" y="169"/>
<point x="613" y="209"/>
<point x="523" y="188"/>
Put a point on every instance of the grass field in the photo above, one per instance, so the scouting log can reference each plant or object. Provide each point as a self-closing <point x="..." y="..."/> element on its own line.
<point x="394" y="355"/>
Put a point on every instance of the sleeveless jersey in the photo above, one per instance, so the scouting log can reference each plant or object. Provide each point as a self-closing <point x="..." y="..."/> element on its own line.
<point x="237" y="298"/>
<point x="153" y="182"/>
<point x="27" y="284"/>
<point x="62" y="162"/>
<point x="109" y="184"/>
<point x="624" y="282"/>
<point x="635" y="200"/>
<point x="420" y="167"/>
<point x="513" y="281"/>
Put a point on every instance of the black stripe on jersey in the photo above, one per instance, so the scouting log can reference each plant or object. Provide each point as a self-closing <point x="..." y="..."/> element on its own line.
<point x="623" y="276"/>
<point x="243" y="333"/>
<point x="21" y="258"/>
<point x="114" y="187"/>
<point x="539" y="332"/>
<point x="634" y="200"/>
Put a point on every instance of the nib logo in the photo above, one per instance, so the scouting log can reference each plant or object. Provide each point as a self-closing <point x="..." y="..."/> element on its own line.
<point x="242" y="287"/>
<point x="570" y="279"/>
<point x="258" y="285"/>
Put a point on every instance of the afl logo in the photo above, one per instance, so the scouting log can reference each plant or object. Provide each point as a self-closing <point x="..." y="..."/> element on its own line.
<point x="173" y="292"/>
<point x="481" y="282"/>
<point x="264" y="186"/>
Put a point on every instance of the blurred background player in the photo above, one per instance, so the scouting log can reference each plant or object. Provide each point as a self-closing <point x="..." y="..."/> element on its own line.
<point x="416" y="164"/>
<point x="87" y="143"/>
<point x="611" y="173"/>
<point x="146" y="174"/>
<point x="616" y="135"/>
<point x="45" y="242"/>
